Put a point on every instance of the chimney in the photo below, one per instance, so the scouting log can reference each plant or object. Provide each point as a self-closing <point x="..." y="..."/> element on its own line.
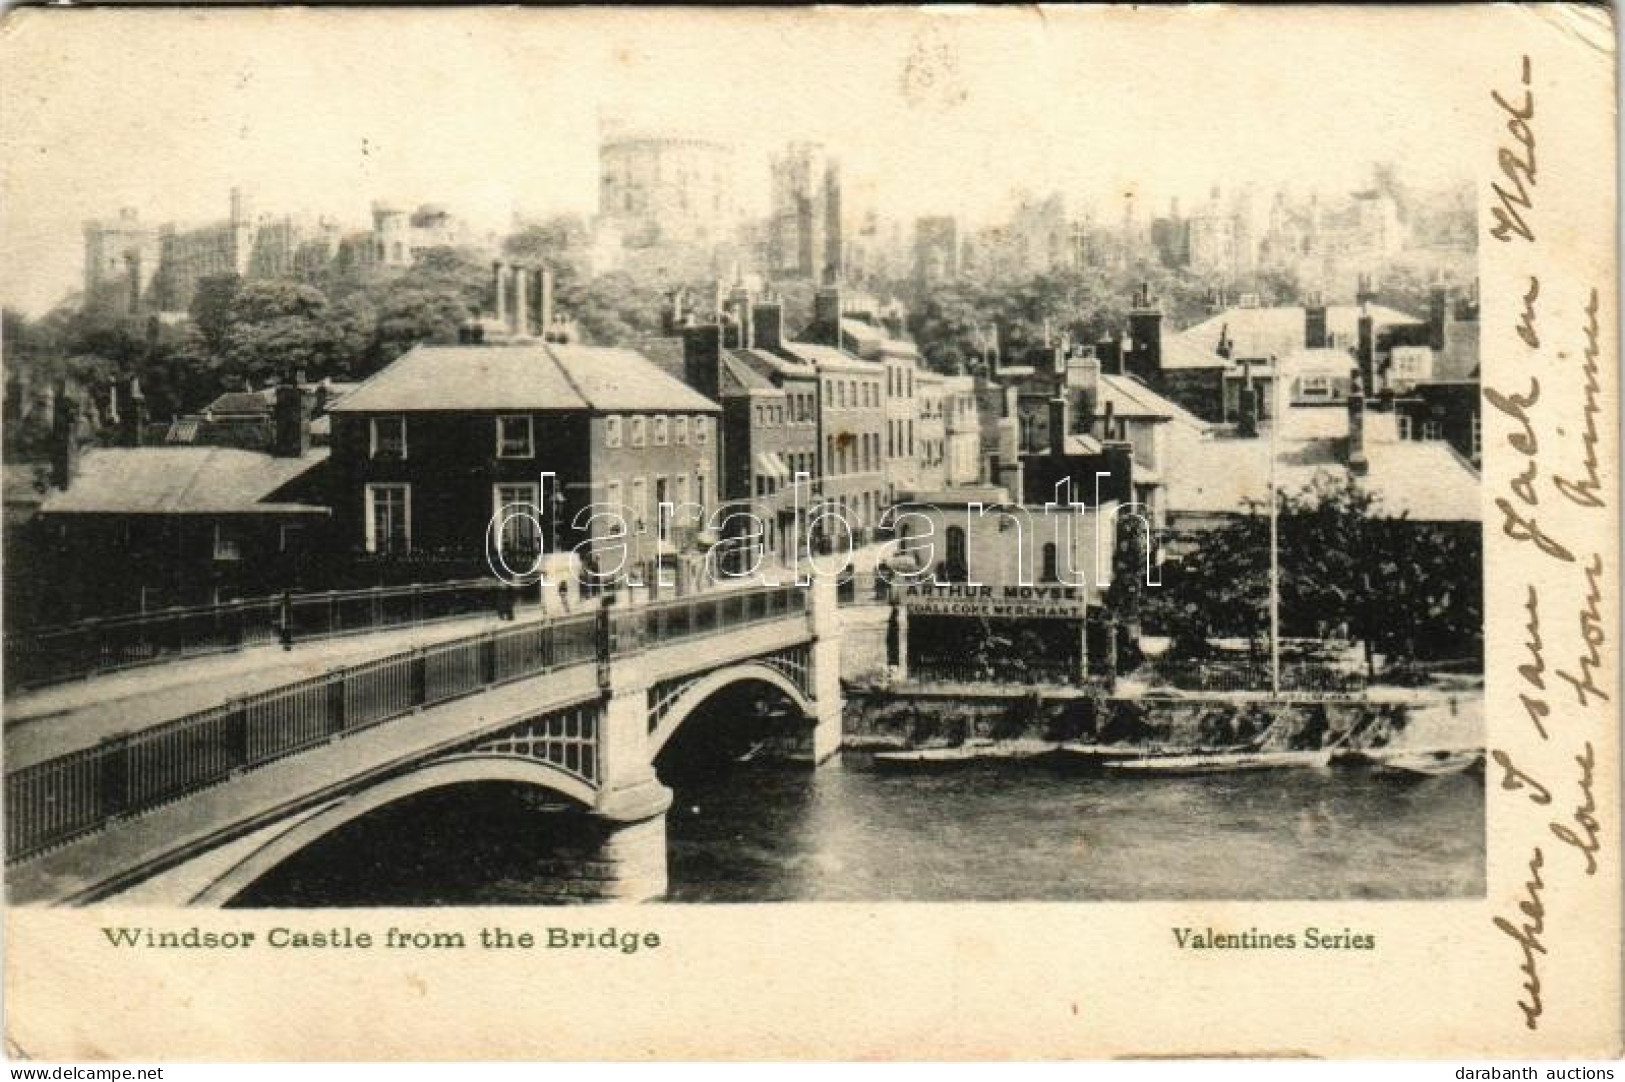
<point x="702" y="359"/>
<point x="1059" y="418"/>
<point x="1314" y="322"/>
<point x="826" y="328"/>
<point x="1225" y="347"/>
<point x="292" y="437"/>
<point x="1358" y="465"/>
<point x="767" y="319"/>
<point x="138" y="413"/>
<point x="1365" y="292"/>
<point x="64" y="437"/>
<point x="1145" y="331"/>
<point x="1366" y="352"/>
<point x="1438" y="307"/>
<point x="1110" y="351"/>
<point x="499" y="282"/>
<point x="1108" y="422"/>
<point x="521" y="302"/>
<point x="739" y="303"/>
<point x="1247" y="421"/>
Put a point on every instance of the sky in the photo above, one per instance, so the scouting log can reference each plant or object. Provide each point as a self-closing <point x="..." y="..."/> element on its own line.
<point x="493" y="112"/>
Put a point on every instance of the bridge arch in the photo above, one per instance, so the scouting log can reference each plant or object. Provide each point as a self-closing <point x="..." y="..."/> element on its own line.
<point x="454" y="770"/>
<point x="678" y="709"/>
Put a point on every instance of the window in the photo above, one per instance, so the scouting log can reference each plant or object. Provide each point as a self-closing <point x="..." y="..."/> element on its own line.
<point x="662" y="502"/>
<point x="1478" y="436"/>
<point x="680" y="436"/>
<point x="660" y="432"/>
<point x="1051" y="571"/>
<point x="1315" y="387"/>
<point x="612" y="431"/>
<point x="637" y="432"/>
<point x="227" y="543"/>
<point x="289" y="537"/>
<point x="515" y="437"/>
<point x="517" y="508"/>
<point x="612" y="494"/>
<point x="955" y="568"/>
<point x="1432" y="430"/>
<point x="701" y="429"/>
<point x="389" y="437"/>
<point x="640" y="504"/>
<point x="1404" y="423"/>
<point x="699" y="488"/>
<point x="389" y="515"/>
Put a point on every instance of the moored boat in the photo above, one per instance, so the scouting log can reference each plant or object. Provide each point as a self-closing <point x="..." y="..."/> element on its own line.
<point x="958" y="754"/>
<point x="1422" y="762"/>
<point x="1221" y="762"/>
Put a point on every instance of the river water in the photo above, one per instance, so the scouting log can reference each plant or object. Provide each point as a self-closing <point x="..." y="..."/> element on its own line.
<point x="982" y="832"/>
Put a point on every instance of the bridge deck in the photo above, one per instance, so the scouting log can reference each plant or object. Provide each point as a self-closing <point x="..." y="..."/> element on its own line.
<point x="106" y="861"/>
<point x="55" y="720"/>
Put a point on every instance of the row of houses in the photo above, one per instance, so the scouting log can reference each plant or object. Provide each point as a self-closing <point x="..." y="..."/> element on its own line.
<point x="409" y="475"/>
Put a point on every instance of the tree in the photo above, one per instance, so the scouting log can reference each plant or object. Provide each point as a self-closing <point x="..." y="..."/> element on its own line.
<point x="276" y="328"/>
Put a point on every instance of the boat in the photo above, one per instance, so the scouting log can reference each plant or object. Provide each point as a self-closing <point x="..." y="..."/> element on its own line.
<point x="972" y="751"/>
<point x="1078" y="755"/>
<point x="1221" y="762"/>
<point x="1419" y="762"/>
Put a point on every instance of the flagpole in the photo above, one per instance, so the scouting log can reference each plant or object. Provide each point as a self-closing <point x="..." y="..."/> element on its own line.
<point x="1275" y="541"/>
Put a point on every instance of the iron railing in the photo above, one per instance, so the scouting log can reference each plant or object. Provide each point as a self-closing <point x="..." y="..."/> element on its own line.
<point x="51" y="654"/>
<point x="55" y="801"/>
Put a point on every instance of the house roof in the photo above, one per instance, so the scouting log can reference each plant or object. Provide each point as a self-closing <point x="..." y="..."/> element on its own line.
<point x="873" y="341"/>
<point x="829" y="357"/>
<point x="1279" y="330"/>
<point x="1422" y="480"/>
<point x="738" y="377"/>
<point x="1181" y="352"/>
<point x="181" y="481"/>
<point x="549" y="376"/>
<point x="1131" y="398"/>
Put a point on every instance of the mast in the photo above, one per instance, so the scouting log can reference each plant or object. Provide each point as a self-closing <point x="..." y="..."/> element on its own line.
<point x="1275" y="540"/>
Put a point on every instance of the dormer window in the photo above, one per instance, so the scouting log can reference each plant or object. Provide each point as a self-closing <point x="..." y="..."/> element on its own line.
<point x="516" y="437"/>
<point x="389" y="438"/>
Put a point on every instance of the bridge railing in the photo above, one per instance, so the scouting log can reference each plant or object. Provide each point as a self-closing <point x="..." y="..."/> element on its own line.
<point x="53" y="802"/>
<point x="50" y="654"/>
<point x="684" y="617"/>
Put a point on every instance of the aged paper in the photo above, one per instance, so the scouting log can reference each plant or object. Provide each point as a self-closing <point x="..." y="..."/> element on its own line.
<point x="1206" y="261"/>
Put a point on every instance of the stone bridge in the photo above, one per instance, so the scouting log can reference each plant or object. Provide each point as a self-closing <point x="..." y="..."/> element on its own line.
<point x="196" y="810"/>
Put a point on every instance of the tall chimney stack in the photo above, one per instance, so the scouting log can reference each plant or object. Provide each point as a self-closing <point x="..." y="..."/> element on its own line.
<point x="138" y="413"/>
<point x="544" y="300"/>
<point x="1366" y="353"/>
<point x="826" y="329"/>
<point x="767" y="321"/>
<point x="1145" y="331"/>
<point x="1314" y="322"/>
<point x="1358" y="464"/>
<point x="292" y="437"/>
<point x="64" y="437"/>
<point x="499" y="286"/>
<point x="1059" y="420"/>
<point x="521" y="301"/>
<point x="702" y="359"/>
<point x="1438" y="307"/>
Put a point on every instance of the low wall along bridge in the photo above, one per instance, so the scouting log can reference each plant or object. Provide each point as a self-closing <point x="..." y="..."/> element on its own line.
<point x="199" y="808"/>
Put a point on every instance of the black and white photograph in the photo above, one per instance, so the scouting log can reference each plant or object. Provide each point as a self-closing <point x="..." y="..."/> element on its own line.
<point x="702" y="459"/>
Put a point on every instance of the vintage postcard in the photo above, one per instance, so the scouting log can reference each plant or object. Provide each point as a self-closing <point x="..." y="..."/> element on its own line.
<point x="941" y="533"/>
